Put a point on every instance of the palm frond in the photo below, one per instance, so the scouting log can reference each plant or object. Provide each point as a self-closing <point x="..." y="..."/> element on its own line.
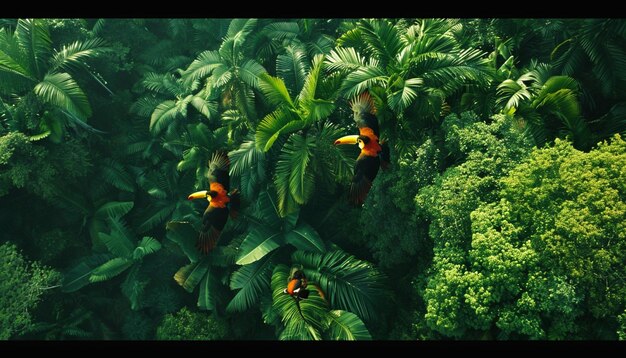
<point x="144" y="106"/>
<point x="147" y="246"/>
<point x="164" y="115"/>
<point x="346" y="326"/>
<point x="202" y="66"/>
<point x="293" y="175"/>
<point x="190" y="275"/>
<point x="114" y="208"/>
<point x="208" y="297"/>
<point x="344" y="59"/>
<point x="155" y="217"/>
<point x="33" y="37"/>
<point x="73" y="56"/>
<point x="78" y="276"/>
<point x="259" y="242"/>
<point x="382" y="38"/>
<point x="60" y="89"/>
<point x="110" y="269"/>
<point x="349" y="283"/>
<point x="245" y="158"/>
<point x="281" y="121"/>
<point x="249" y="72"/>
<point x="282" y="30"/>
<point x="292" y="67"/>
<point x="275" y="91"/>
<point x="362" y="79"/>
<point x="309" y="89"/>
<point x="304" y="237"/>
<point x="251" y="280"/>
<point x="185" y="236"/>
<point x="114" y="173"/>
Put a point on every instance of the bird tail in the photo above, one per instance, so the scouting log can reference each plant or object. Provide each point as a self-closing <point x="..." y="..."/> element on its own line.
<point x="235" y="203"/>
<point x="207" y="241"/>
<point x="385" y="155"/>
<point x="363" y="103"/>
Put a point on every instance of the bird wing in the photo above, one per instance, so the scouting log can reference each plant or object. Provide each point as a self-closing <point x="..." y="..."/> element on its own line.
<point x="213" y="221"/>
<point x="218" y="169"/>
<point x="365" y="172"/>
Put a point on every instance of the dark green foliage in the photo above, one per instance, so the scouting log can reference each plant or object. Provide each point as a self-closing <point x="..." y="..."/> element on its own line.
<point x="106" y="126"/>
<point x="189" y="325"/>
<point x="22" y="285"/>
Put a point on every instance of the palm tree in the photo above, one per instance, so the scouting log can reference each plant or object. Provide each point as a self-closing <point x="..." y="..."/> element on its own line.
<point x="170" y="99"/>
<point x="31" y="70"/>
<point x="546" y="105"/>
<point x="232" y="69"/>
<point x="306" y="153"/>
<point x="411" y="72"/>
<point x="593" y="53"/>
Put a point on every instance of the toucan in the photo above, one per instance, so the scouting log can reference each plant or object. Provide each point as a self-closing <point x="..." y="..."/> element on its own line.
<point x="297" y="288"/>
<point x="374" y="154"/>
<point x="222" y="204"/>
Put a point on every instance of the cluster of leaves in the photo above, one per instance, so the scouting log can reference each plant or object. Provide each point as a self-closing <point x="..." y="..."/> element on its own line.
<point x="23" y="283"/>
<point x="472" y="234"/>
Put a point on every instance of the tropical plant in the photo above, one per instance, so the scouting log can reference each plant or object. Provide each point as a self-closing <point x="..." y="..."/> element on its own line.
<point x="412" y="72"/>
<point x="31" y="70"/>
<point x="547" y="105"/>
<point x="232" y="69"/>
<point x="306" y="150"/>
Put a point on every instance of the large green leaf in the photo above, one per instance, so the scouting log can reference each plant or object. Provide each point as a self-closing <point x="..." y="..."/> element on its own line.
<point x="305" y="238"/>
<point x="344" y="59"/>
<point x="381" y="37"/>
<point x="190" y="275"/>
<point x="281" y="121"/>
<point x="164" y="115"/>
<point x="249" y="72"/>
<point x="118" y="245"/>
<point x="114" y="208"/>
<point x="147" y="246"/>
<point x="251" y="280"/>
<point x="349" y="283"/>
<point x="292" y="67"/>
<point x="294" y="177"/>
<point x="78" y="276"/>
<point x="347" y="326"/>
<point x="275" y="91"/>
<point x="73" y="56"/>
<point x="245" y="157"/>
<point x="207" y="298"/>
<point x="110" y="269"/>
<point x="34" y="39"/>
<point x="202" y="66"/>
<point x="60" y="89"/>
<point x="258" y="243"/>
<point x="184" y="234"/>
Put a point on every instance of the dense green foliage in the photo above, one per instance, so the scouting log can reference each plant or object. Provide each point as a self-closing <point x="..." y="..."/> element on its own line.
<point x="502" y="215"/>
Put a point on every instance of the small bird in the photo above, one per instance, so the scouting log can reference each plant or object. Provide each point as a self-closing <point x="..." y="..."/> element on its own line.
<point x="297" y="286"/>
<point x="221" y="203"/>
<point x="374" y="154"/>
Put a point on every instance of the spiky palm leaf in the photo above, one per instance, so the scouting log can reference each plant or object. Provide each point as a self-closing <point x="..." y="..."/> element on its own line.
<point x="252" y="280"/>
<point x="292" y="67"/>
<point x="294" y="177"/>
<point x="348" y="282"/>
<point x="347" y="326"/>
<point x="60" y="89"/>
